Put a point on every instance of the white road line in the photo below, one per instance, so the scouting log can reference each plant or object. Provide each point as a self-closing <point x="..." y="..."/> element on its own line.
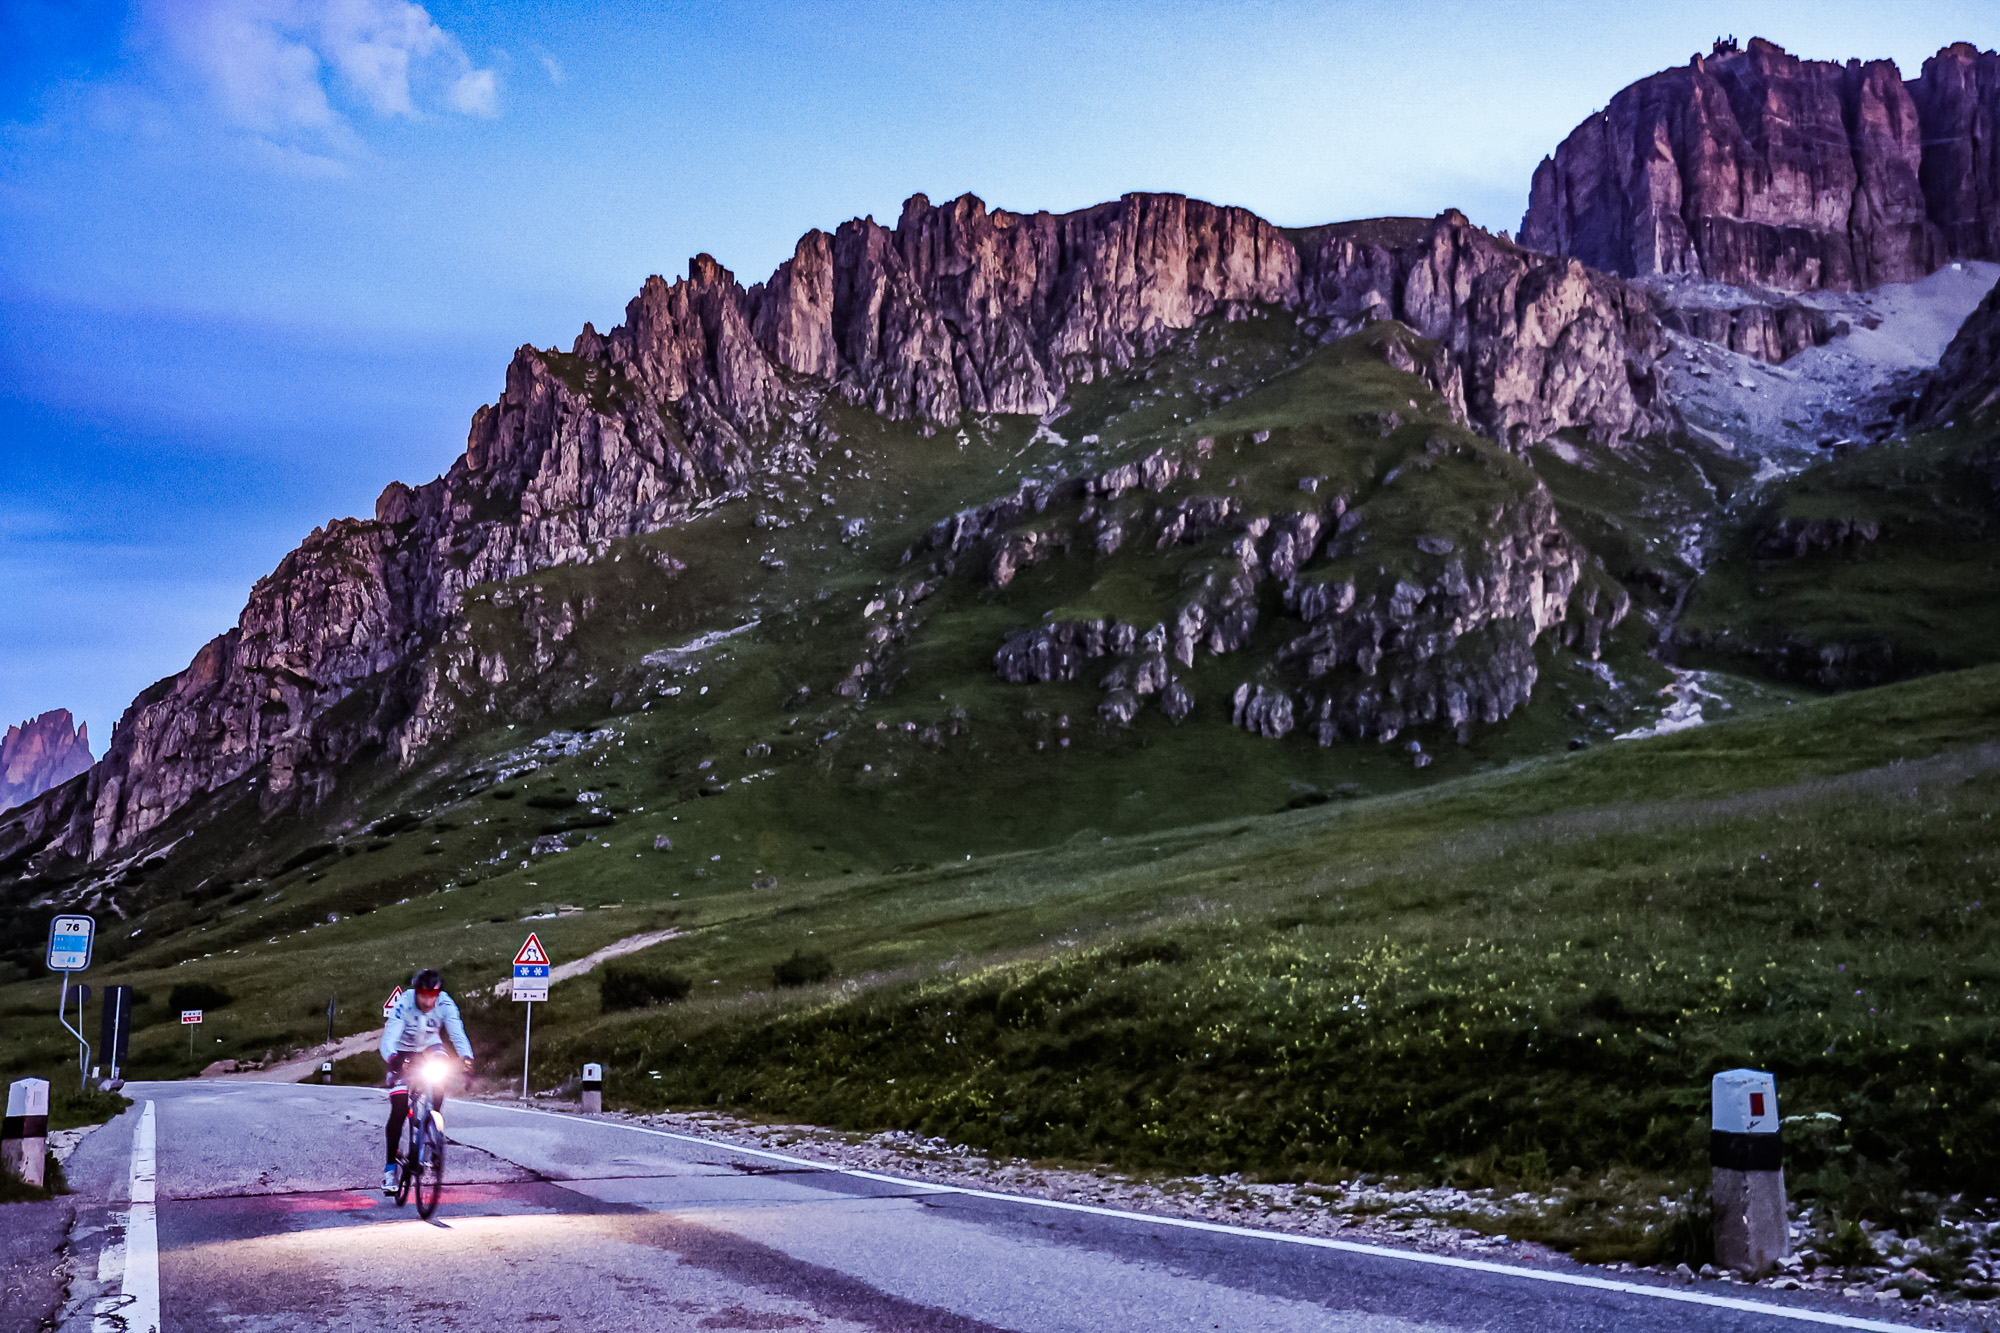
<point x="136" y="1308"/>
<point x="1315" y="1242"/>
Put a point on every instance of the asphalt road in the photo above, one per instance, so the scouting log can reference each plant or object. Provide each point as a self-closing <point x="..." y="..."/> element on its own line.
<point x="260" y="1199"/>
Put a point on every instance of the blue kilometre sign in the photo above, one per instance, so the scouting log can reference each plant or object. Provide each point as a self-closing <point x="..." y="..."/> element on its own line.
<point x="70" y="938"/>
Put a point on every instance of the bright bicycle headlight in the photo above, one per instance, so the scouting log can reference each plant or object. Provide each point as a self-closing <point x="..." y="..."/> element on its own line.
<point x="434" y="1070"/>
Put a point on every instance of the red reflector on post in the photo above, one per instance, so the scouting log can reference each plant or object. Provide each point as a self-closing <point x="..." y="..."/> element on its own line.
<point x="1756" y="1104"/>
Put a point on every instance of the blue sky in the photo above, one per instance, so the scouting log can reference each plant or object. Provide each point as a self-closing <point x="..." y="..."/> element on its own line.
<point x="259" y="257"/>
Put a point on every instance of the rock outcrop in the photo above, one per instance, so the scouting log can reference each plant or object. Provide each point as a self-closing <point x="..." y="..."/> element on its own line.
<point x="44" y="752"/>
<point x="1539" y="345"/>
<point x="357" y="644"/>
<point x="1773" y="332"/>
<point x="1363" y="651"/>
<point x="1751" y="166"/>
<point x="1966" y="383"/>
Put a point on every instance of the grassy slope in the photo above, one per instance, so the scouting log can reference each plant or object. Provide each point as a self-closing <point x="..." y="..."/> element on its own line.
<point x="1922" y="596"/>
<point x="1544" y="965"/>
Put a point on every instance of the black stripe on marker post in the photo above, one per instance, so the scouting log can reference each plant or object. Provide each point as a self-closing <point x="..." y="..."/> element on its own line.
<point x="1744" y="1152"/>
<point x="24" y="1127"/>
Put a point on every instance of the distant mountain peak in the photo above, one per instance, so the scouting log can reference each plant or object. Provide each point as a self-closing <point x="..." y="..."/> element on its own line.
<point x="41" y="753"/>
<point x="1751" y="166"/>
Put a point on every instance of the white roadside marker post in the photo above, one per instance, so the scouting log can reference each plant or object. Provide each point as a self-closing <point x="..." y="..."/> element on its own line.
<point x="24" y="1134"/>
<point x="593" y="1089"/>
<point x="1747" y="1184"/>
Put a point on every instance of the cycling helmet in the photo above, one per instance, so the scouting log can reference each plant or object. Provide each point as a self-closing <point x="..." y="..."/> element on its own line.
<point x="427" y="982"/>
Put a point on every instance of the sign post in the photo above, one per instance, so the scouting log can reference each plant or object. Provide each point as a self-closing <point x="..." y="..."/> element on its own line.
<point x="115" y="1028"/>
<point x="70" y="941"/>
<point x="82" y="1055"/>
<point x="190" y="1019"/>
<point x="329" y="1018"/>
<point x="531" y="983"/>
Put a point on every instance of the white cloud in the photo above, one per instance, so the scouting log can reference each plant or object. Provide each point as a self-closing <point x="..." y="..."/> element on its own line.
<point x="476" y="93"/>
<point x="285" y="67"/>
<point x="557" y="75"/>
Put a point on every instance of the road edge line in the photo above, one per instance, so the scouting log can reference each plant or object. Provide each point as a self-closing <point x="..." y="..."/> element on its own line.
<point x="136" y="1308"/>
<point x="1317" y="1242"/>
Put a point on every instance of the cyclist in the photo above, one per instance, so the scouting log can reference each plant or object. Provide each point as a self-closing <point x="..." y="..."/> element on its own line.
<point x="419" y="1023"/>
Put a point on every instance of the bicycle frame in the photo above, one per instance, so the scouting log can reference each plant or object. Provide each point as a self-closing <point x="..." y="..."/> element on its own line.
<point x="424" y="1112"/>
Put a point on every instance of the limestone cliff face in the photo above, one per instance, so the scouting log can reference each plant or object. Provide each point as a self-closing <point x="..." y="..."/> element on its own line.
<point x="355" y="645"/>
<point x="1755" y="167"/>
<point x="1540" y="344"/>
<point x="41" y="753"/>
<point x="1958" y="98"/>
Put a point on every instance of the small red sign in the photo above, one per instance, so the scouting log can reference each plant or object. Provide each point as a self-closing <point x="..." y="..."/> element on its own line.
<point x="389" y="1004"/>
<point x="532" y="953"/>
<point x="190" y="1016"/>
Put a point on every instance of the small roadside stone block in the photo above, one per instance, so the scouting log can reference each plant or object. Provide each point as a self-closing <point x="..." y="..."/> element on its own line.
<point x="24" y="1134"/>
<point x="1747" y="1184"/>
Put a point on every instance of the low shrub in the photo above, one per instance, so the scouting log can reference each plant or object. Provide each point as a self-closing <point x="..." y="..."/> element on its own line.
<point x="802" y="969"/>
<point x="630" y="986"/>
<point x="198" y="995"/>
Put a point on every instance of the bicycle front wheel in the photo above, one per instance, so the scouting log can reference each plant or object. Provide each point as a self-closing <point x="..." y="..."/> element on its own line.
<point x="408" y="1173"/>
<point x="430" y="1178"/>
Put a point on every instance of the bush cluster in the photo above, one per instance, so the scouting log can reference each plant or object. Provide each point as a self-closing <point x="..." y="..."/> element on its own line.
<point x="198" y="995"/>
<point x="802" y="969"/>
<point x="633" y="986"/>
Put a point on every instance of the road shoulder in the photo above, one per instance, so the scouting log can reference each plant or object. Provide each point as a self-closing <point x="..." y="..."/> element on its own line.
<point x="34" y="1274"/>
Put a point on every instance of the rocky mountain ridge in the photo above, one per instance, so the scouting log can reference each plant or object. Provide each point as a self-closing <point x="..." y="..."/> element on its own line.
<point x="1753" y="167"/>
<point x="41" y="753"/>
<point x="354" y="646"/>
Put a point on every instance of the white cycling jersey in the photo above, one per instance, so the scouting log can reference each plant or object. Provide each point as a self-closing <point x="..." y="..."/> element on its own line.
<point x="411" y="1029"/>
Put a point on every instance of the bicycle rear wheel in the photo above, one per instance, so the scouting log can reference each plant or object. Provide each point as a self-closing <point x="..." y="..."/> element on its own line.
<point x="430" y="1177"/>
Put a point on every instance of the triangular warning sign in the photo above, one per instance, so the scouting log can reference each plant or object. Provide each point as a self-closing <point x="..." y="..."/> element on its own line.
<point x="532" y="954"/>
<point x="389" y="1004"/>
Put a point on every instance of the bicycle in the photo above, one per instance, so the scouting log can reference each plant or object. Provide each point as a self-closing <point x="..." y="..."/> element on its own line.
<point x="423" y="1160"/>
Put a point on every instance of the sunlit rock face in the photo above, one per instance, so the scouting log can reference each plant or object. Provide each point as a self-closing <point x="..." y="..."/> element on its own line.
<point x="1753" y="167"/>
